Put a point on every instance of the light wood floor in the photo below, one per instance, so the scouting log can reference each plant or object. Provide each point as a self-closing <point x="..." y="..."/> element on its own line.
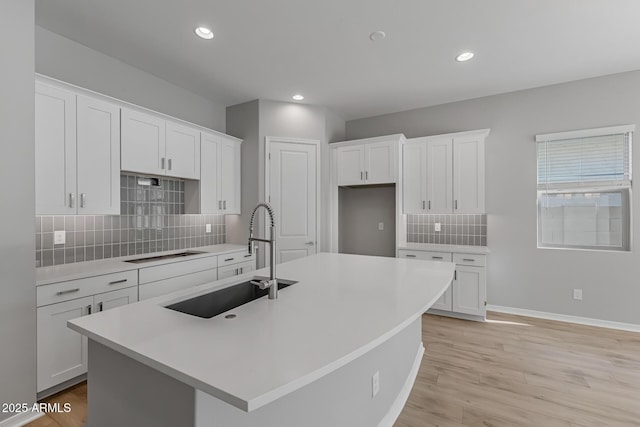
<point x="511" y="371"/>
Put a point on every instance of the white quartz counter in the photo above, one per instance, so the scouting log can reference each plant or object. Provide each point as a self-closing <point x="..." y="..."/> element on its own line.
<point x="465" y="249"/>
<point x="78" y="270"/>
<point x="342" y="307"/>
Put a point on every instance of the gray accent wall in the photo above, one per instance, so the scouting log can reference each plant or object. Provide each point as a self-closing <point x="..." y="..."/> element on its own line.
<point x="519" y="274"/>
<point x="72" y="62"/>
<point x="17" y="229"/>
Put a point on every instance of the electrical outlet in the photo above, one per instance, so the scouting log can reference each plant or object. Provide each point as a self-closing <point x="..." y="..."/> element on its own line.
<point x="436" y="226"/>
<point x="59" y="237"/>
<point x="577" y="294"/>
<point x="375" y="384"/>
<point x="381" y="226"/>
<point x="207" y="228"/>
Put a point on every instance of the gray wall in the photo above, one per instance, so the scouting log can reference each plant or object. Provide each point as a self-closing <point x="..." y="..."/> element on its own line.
<point x="17" y="228"/>
<point x="519" y="274"/>
<point x="360" y="210"/>
<point x="72" y="62"/>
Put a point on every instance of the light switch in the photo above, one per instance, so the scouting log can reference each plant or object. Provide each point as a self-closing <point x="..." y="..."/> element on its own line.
<point x="207" y="228"/>
<point x="381" y="226"/>
<point x="59" y="237"/>
<point x="437" y="226"/>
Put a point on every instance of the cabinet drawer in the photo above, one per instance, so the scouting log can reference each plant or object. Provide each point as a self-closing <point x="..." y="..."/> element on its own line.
<point x="425" y="255"/>
<point x="175" y="269"/>
<point x="166" y="286"/>
<point x="72" y="289"/>
<point x="470" y="259"/>
<point x="235" y="258"/>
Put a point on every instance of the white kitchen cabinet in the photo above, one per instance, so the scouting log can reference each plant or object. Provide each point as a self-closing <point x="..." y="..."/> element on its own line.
<point x="467" y="294"/>
<point x="143" y="143"/>
<point x="220" y="179"/>
<point x="468" y="179"/>
<point x="182" y="151"/>
<point x="444" y="174"/>
<point x="372" y="161"/>
<point x="77" y="154"/>
<point x="55" y="150"/>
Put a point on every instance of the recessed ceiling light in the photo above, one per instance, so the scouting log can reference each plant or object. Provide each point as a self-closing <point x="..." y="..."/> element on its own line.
<point x="204" y="32"/>
<point x="464" y="56"/>
<point x="297" y="97"/>
<point x="377" y="35"/>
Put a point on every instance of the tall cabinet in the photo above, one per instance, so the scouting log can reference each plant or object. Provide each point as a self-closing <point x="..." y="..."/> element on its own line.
<point x="444" y="174"/>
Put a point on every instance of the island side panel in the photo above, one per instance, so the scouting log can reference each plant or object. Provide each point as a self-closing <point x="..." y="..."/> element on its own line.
<point x="342" y="398"/>
<point x="124" y="392"/>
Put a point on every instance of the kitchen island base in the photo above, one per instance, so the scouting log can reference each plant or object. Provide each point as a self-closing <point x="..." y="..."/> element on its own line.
<point x="123" y="391"/>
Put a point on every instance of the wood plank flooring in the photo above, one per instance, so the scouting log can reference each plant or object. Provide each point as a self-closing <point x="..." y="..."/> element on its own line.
<point x="511" y="371"/>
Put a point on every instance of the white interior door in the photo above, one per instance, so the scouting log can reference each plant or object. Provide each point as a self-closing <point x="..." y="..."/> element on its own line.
<point x="292" y="189"/>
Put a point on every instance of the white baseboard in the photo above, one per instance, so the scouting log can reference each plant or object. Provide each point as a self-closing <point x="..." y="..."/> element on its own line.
<point x="21" y="419"/>
<point x="566" y="318"/>
<point x="398" y="404"/>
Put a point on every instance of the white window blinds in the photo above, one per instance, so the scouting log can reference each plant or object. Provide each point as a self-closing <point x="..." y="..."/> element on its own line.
<point x="592" y="161"/>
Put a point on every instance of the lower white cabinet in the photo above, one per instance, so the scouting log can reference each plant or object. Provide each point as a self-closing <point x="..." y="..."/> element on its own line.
<point x="468" y="291"/>
<point x="61" y="352"/>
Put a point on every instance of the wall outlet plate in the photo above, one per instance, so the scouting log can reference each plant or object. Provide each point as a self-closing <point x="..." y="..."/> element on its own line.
<point x="375" y="384"/>
<point x="59" y="237"/>
<point x="577" y="294"/>
<point x="207" y="228"/>
<point x="381" y="226"/>
<point x="436" y="226"/>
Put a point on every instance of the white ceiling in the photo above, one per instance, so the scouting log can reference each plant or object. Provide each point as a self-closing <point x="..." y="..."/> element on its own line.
<point x="271" y="49"/>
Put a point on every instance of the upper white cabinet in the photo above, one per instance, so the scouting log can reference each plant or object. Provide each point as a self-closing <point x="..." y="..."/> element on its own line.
<point x="220" y="175"/>
<point x="367" y="161"/>
<point x="77" y="153"/>
<point x="444" y="174"/>
<point x="156" y="146"/>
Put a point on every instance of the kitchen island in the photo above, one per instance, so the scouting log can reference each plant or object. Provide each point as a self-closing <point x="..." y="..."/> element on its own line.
<point x="341" y="347"/>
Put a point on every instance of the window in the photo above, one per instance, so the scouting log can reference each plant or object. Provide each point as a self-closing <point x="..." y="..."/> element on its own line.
<point x="584" y="189"/>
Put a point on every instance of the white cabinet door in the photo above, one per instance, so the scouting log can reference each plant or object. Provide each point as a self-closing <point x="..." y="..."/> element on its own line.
<point x="229" y="176"/>
<point x="98" y="154"/>
<point x="62" y="353"/>
<point x="183" y="151"/>
<point x="210" y="200"/>
<point x="143" y="143"/>
<point x="114" y="299"/>
<point x="469" y="290"/>
<point x="380" y="163"/>
<point x="444" y="303"/>
<point x="350" y="165"/>
<point x="414" y="180"/>
<point x="439" y="177"/>
<point x="468" y="192"/>
<point x="55" y="151"/>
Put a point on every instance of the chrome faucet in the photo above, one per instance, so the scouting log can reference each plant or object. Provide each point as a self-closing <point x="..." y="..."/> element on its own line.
<point x="272" y="283"/>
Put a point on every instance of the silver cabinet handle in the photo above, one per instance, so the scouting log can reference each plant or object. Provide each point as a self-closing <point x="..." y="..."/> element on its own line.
<point x="361" y="176"/>
<point x="456" y="205"/>
<point x="237" y="272"/>
<point x="455" y="274"/>
<point x="72" y="199"/>
<point x="228" y="259"/>
<point x="169" y="162"/>
<point x="220" y="205"/>
<point x="423" y="205"/>
<point x="429" y="204"/>
<point x="248" y="255"/>
<point x="366" y="175"/>
<point x="68" y="291"/>
<point x="100" y="307"/>
<point x="83" y="200"/>
<point x="162" y="163"/>
<point x="224" y="204"/>
<point x="310" y="243"/>
<point x="469" y="259"/>
<point x="115" y="282"/>
<point x="410" y="256"/>
<point x="89" y="309"/>
<point x="437" y="257"/>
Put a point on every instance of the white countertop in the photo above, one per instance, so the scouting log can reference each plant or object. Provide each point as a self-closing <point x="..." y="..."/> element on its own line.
<point x="342" y="307"/>
<point x="465" y="249"/>
<point x="78" y="270"/>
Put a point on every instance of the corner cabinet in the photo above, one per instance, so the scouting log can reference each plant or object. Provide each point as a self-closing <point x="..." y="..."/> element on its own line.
<point x="220" y="179"/>
<point x="444" y="174"/>
<point x="77" y="152"/>
<point x="467" y="295"/>
<point x="153" y="145"/>
<point x="367" y="161"/>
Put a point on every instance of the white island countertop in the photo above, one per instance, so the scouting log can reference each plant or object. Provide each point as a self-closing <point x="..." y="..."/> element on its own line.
<point x="342" y="307"/>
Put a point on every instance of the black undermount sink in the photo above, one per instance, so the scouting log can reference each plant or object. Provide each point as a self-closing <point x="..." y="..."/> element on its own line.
<point x="161" y="257"/>
<point x="217" y="302"/>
